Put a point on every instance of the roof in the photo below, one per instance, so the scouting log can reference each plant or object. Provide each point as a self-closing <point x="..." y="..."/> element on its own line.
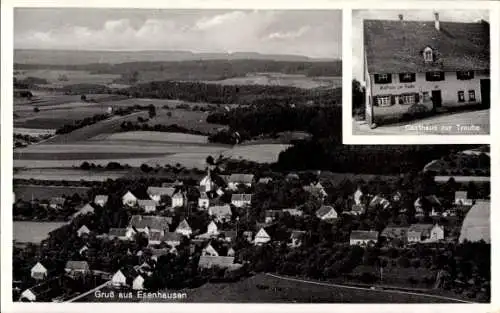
<point x="433" y="200"/>
<point x="101" y="198"/>
<point x="220" y="210"/>
<point x="57" y="200"/>
<point x="241" y="178"/>
<point x="220" y="261"/>
<point x="476" y="225"/>
<point x="324" y="210"/>
<point x="153" y="222"/>
<point x="294" y="212"/>
<point x="358" y="208"/>
<point x="396" y="46"/>
<point x="364" y="235"/>
<point x="184" y="225"/>
<point x="172" y="236"/>
<point x="118" y="232"/>
<point x="38" y="267"/>
<point x="262" y="233"/>
<point x="425" y="229"/>
<point x="129" y="194"/>
<point x="161" y="191"/>
<point x="145" y="203"/>
<point x="203" y="195"/>
<point x="159" y="252"/>
<point x="83" y="229"/>
<point x="461" y="194"/>
<point x="87" y="208"/>
<point x="77" y="265"/>
<point x="394" y="232"/>
<point x="378" y="200"/>
<point x="297" y="234"/>
<point x="229" y="234"/>
<point x="241" y="197"/>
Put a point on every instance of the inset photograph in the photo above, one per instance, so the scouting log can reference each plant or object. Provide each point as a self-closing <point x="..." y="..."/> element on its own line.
<point x="421" y="72"/>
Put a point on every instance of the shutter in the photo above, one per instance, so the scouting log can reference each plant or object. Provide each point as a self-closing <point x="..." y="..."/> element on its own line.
<point x="389" y="78"/>
<point x="417" y="97"/>
<point x="393" y="100"/>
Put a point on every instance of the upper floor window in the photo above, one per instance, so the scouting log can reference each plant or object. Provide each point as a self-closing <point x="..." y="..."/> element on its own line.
<point x="434" y="76"/>
<point x="428" y="55"/>
<point x="407" y="77"/>
<point x="383" y="78"/>
<point x="465" y="75"/>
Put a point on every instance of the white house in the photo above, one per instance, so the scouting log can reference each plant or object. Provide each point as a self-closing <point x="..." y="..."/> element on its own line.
<point x="101" y="200"/>
<point x="209" y="250"/>
<point x="178" y="199"/>
<point x="138" y="283"/>
<point x="147" y="205"/>
<point x="358" y="195"/>
<point x="262" y="237"/>
<point x="212" y="229"/>
<point x="220" y="212"/>
<point x="129" y="199"/>
<point x="241" y="199"/>
<point x="203" y="201"/>
<point x="207" y="183"/>
<point x="235" y="180"/>
<point x="160" y="194"/>
<point x="418" y="66"/>
<point x="118" y="279"/>
<point x="38" y="272"/>
<point x="86" y="209"/>
<point x="184" y="228"/>
<point x="83" y="231"/>
<point x="437" y="233"/>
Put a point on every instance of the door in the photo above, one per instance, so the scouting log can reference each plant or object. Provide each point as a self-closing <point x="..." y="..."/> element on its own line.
<point x="485" y="92"/>
<point x="436" y="99"/>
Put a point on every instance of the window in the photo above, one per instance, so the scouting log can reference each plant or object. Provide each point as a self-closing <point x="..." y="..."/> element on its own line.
<point x="465" y="75"/>
<point x="472" y="95"/>
<point x="408" y="99"/>
<point x="383" y="78"/>
<point x="434" y="76"/>
<point x="384" y="101"/>
<point x="407" y="77"/>
<point x="428" y="55"/>
<point x="461" y="96"/>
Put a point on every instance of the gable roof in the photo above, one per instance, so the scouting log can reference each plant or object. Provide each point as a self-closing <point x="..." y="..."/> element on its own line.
<point x="425" y="229"/>
<point x="241" y="197"/>
<point x="103" y="198"/>
<point x="145" y="203"/>
<point x="220" y="261"/>
<point x="83" y="229"/>
<point x="129" y="194"/>
<point x="87" y="208"/>
<point x="297" y="234"/>
<point x="294" y="211"/>
<point x="324" y="210"/>
<point x="396" y="46"/>
<point x="220" y="210"/>
<point x="38" y="267"/>
<point x="241" y="178"/>
<point x="118" y="232"/>
<point x="184" y="225"/>
<point x="153" y="222"/>
<point x="77" y="265"/>
<point x="161" y="191"/>
<point x="262" y="233"/>
<point x="364" y="235"/>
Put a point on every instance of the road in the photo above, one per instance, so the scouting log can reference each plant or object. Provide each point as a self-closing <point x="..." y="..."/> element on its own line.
<point x="471" y="123"/>
<point x="368" y="289"/>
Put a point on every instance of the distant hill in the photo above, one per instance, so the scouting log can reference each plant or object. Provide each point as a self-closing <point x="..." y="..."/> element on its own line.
<point x="79" y="57"/>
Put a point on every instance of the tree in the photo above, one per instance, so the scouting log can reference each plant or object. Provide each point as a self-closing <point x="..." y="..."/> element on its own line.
<point x="358" y="98"/>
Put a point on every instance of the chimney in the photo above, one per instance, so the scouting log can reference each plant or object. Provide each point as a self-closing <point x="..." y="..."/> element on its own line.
<point x="436" y="21"/>
<point x="400" y="17"/>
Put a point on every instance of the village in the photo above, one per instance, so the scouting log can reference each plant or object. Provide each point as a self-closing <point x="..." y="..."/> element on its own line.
<point x="214" y="226"/>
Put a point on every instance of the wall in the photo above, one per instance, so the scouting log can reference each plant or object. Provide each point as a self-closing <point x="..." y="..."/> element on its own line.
<point x="449" y="92"/>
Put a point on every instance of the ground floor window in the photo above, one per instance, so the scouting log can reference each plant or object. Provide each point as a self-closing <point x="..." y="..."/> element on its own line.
<point x="384" y="101"/>
<point x="461" y="97"/>
<point x="472" y="95"/>
<point x="408" y="99"/>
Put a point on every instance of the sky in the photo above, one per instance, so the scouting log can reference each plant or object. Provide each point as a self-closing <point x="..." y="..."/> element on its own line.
<point x="310" y="33"/>
<point x="410" y="15"/>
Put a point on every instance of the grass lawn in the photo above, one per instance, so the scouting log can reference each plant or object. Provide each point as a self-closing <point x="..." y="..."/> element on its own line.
<point x="28" y="192"/>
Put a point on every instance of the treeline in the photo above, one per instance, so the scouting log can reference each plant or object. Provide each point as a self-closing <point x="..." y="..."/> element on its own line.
<point x="228" y="94"/>
<point x="173" y="128"/>
<point x="269" y="120"/>
<point x="203" y="69"/>
<point x="68" y="128"/>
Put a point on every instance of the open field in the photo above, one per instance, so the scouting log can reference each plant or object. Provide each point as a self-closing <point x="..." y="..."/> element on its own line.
<point x="73" y="77"/>
<point x="262" y="153"/>
<point x="67" y="174"/>
<point x="264" y="288"/>
<point x="28" y="192"/>
<point x="33" y="232"/>
<point x="154" y="137"/>
<point x="33" y="131"/>
<point x="278" y="79"/>
<point x="195" y="120"/>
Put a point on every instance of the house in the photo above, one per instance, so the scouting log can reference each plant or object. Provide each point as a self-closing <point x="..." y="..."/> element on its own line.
<point x="223" y="262"/>
<point x="101" y="200"/>
<point x="77" y="268"/>
<point x="160" y="194"/>
<point x="83" y="231"/>
<point x="38" y="271"/>
<point x="231" y="252"/>
<point x="235" y="180"/>
<point x="418" y="66"/>
<point x="248" y="235"/>
<point x="391" y="233"/>
<point x="138" y="283"/>
<point x="293" y="212"/>
<point x="203" y="201"/>
<point x="326" y="212"/>
<point x="147" y="205"/>
<point x="462" y="199"/>
<point x="172" y="239"/>
<point x="271" y="215"/>
<point x="296" y="238"/>
<point x="229" y="235"/>
<point x="419" y="232"/>
<point x="45" y="291"/>
<point x="86" y="209"/>
<point x="429" y="202"/>
<point x="178" y="199"/>
<point x="184" y="229"/>
<point x="363" y="237"/>
<point x="209" y="250"/>
<point x="262" y="237"/>
<point x="146" y="224"/>
<point x="129" y="199"/>
<point x="207" y="184"/>
<point x="437" y="233"/>
<point x="241" y="199"/>
<point x="155" y="238"/>
<point x="212" y="229"/>
<point x="379" y="202"/>
<point x="316" y="190"/>
<point x="220" y="212"/>
<point x="57" y="203"/>
<point x="121" y="233"/>
<point x="358" y="196"/>
<point x="119" y="279"/>
<point x="157" y="253"/>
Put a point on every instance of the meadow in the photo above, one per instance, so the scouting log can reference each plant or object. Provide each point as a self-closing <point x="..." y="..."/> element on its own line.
<point x="28" y="192"/>
<point x="33" y="232"/>
<point x="57" y="78"/>
<point x="66" y="174"/>
<point x="278" y="79"/>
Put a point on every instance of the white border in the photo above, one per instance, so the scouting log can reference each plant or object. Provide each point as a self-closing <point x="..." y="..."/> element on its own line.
<point x="347" y="131"/>
<point x="6" y="155"/>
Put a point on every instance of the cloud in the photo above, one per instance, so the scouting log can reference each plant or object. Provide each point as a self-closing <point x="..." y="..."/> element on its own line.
<point x="219" y="20"/>
<point x="289" y="35"/>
